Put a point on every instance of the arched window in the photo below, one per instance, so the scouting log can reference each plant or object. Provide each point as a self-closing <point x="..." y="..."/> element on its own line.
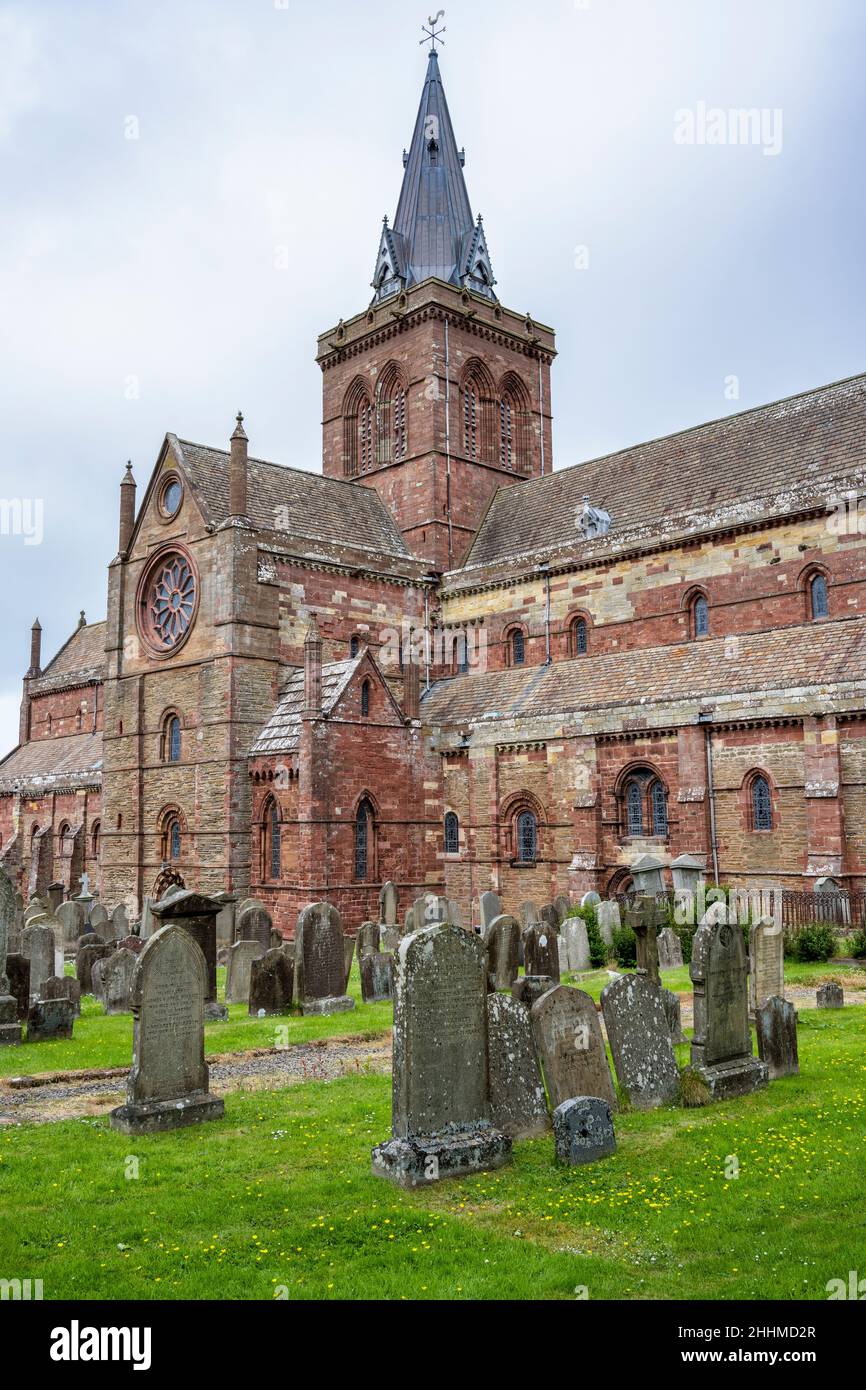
<point x="173" y="740"/>
<point x="391" y="423"/>
<point x="452" y="834"/>
<point x="634" y="809"/>
<point x="700" y="617"/>
<point x="818" y="600"/>
<point x="358" y="430"/>
<point x="363" y="839"/>
<point x="762" y="804"/>
<point x="94" y="841"/>
<point x="273" y="845"/>
<point x="62" y="833"/>
<point x="577" y="637"/>
<point x="174" y="839"/>
<point x="527" y="838"/>
<point x="659" y="804"/>
<point x="354" y="646"/>
<point x="461" y="652"/>
<point x="513" y="417"/>
<point x="365" y="699"/>
<point x="471" y="413"/>
<point x="478" y="406"/>
<point x="517" y="647"/>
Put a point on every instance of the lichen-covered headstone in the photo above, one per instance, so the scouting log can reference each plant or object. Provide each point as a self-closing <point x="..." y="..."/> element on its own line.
<point x="115" y="989"/>
<point x="320" y="963"/>
<point x="271" y="983"/>
<point x="674" y="1015"/>
<point x="367" y="938"/>
<point x="721" y="1041"/>
<point x="49" y="1020"/>
<point x="63" y="987"/>
<point x="541" y="951"/>
<point x="254" y="923"/>
<point x="168" y="1084"/>
<point x="518" y="1105"/>
<point x="527" y="988"/>
<point x="39" y="945"/>
<point x="640" y="1041"/>
<point x="239" y="968"/>
<point x="388" y="904"/>
<point x="576" y="939"/>
<point x="766" y="962"/>
<point x="377" y="974"/>
<point x="670" y="949"/>
<point x="570" y="1046"/>
<point x="502" y="942"/>
<point x="440" y="1099"/>
<point x="830" y="996"/>
<point x="583" y="1130"/>
<point x="607" y="916"/>
<point x="776" y="1027"/>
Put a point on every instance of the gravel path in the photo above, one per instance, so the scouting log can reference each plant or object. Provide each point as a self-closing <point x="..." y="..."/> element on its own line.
<point x="68" y="1097"/>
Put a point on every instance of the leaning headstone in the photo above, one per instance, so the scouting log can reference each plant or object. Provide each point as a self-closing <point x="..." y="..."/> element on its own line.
<point x="168" y="1082"/>
<point x="527" y="988"/>
<point x="721" y="1041"/>
<point x="10" y="1029"/>
<point x="367" y="938"/>
<point x="440" y="1107"/>
<point x="776" y="1027"/>
<point x="674" y="1014"/>
<point x="571" y="1047"/>
<point x="18" y="974"/>
<point x="502" y="941"/>
<point x="117" y="971"/>
<point x="320" y="970"/>
<point x="254" y="923"/>
<point x="39" y="946"/>
<point x="541" y="951"/>
<point x="388" y="904"/>
<point x="766" y="962"/>
<point x="271" y="983"/>
<point x="49" y="1020"/>
<point x="830" y="996"/>
<point x="607" y="916"/>
<point x="576" y="939"/>
<point x="239" y="968"/>
<point x="670" y="949"/>
<point x="196" y="913"/>
<point x="63" y="987"/>
<point x="85" y="959"/>
<point x="517" y="1102"/>
<point x="583" y="1130"/>
<point x="377" y="973"/>
<point x="491" y="907"/>
<point x="640" y="1041"/>
<point x="71" y="918"/>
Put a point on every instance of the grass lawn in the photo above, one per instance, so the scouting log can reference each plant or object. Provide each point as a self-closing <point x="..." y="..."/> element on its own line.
<point x="277" y="1199"/>
<point x="803" y="976"/>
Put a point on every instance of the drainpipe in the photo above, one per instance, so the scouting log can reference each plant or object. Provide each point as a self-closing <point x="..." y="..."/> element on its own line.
<point x="448" y="445"/>
<point x="711" y="792"/>
<point x="545" y="570"/>
<point x="541" y="410"/>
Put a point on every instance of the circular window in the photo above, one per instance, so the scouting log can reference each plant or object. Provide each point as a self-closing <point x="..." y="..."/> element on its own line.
<point x="168" y="599"/>
<point x="171" y="496"/>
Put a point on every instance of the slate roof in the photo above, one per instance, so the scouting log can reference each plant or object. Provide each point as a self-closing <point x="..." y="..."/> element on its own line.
<point x="770" y="461"/>
<point x="80" y="660"/>
<point x="282" y="732"/>
<point x="47" y="764"/>
<point x="317" y="509"/>
<point x="810" y="657"/>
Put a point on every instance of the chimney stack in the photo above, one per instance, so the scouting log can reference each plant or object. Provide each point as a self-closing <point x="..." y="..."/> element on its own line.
<point x="35" y="649"/>
<point x="238" y="470"/>
<point x="127" y="509"/>
<point x="411" y="687"/>
<point x="312" y="671"/>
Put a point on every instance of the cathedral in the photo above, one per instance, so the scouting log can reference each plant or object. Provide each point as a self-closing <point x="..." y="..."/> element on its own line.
<point x="445" y="662"/>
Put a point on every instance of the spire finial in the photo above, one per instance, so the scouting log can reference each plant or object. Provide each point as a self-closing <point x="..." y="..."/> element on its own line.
<point x="433" y="33"/>
<point x="239" y="431"/>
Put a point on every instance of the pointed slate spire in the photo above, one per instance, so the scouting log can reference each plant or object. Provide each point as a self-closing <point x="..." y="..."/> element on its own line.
<point x="434" y="232"/>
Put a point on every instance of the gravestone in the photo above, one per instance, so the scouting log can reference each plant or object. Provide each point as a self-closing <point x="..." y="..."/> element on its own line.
<point x="239" y="968"/>
<point x="607" y="916"/>
<point x="674" y="1015"/>
<point x="388" y="904"/>
<point x="776" y="1027"/>
<point x="583" y="1130"/>
<point x="377" y="974"/>
<point x="491" y="908"/>
<point x="348" y="957"/>
<point x="196" y="913"/>
<point x="518" y="1105"/>
<point x="320" y="970"/>
<point x="367" y="938"/>
<point x="116" y="973"/>
<point x="36" y="907"/>
<point x="645" y="917"/>
<point x="527" y="988"/>
<point x="502" y="942"/>
<point x="18" y="975"/>
<point x="225" y="922"/>
<point x="254" y="923"/>
<point x="640" y="1041"/>
<point x="590" y="899"/>
<point x="169" y="1079"/>
<point x="63" y="987"/>
<point x="428" y="910"/>
<point x="39" y="947"/>
<point x="409" y="921"/>
<point x="455" y="916"/>
<point x="766" y="963"/>
<point x="271" y="982"/>
<point x="830" y="996"/>
<point x="571" y="1047"/>
<point x="119" y="922"/>
<point x="576" y="939"/>
<point x="562" y="905"/>
<point x="55" y="896"/>
<point x="49" y="1020"/>
<point x="85" y="959"/>
<point x="541" y="951"/>
<point x="646" y="874"/>
<point x="148" y="924"/>
<point x="99" y="918"/>
<point x="71" y="918"/>
<point x="670" y="950"/>
<point x="10" y="1029"/>
<point x="548" y="916"/>
<point x="528" y="914"/>
<point x="440" y="1097"/>
<point x="721" y="1041"/>
<point x="389" y="939"/>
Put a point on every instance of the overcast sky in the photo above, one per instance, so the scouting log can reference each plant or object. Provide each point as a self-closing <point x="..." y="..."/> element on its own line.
<point x="140" y="280"/>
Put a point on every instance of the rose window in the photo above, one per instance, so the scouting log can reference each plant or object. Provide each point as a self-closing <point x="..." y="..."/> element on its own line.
<point x="170" y="601"/>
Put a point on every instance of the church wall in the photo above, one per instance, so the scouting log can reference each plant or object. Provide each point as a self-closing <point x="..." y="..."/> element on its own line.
<point x="376" y="610"/>
<point x="57" y="713"/>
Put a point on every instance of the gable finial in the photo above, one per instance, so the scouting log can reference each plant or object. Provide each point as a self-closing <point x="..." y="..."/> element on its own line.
<point x="433" y="33"/>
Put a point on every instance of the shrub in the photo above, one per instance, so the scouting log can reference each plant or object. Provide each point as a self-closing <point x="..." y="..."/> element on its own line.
<point x="625" y="947"/>
<point x="817" y="942"/>
<point x="858" y="944"/>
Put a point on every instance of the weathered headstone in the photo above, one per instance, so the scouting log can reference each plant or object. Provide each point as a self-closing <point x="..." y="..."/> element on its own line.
<point x="766" y="962"/>
<point x="590" y="899"/>
<point x="39" y="946"/>
<point x="99" y="918"/>
<point x="320" y="970"/>
<point x="63" y="987"/>
<point x="502" y="941"/>
<point x="18" y="974"/>
<point x="548" y="916"/>
<point x="388" y="904"/>
<point x="10" y="1029"/>
<point x="71" y="918"/>
<point x="389" y="939"/>
<point x="377" y="973"/>
<point x="607" y="916"/>
<point x="722" y="1042"/>
<point x="115" y="984"/>
<point x="527" y="988"/>
<point x="491" y="907"/>
<point x="563" y="906"/>
<point x="254" y="923"/>
<point x="168" y="1082"/>
<point x="571" y="1047"/>
<point x="576" y="939"/>
<point x="239" y="968"/>
<point x="36" y="907"/>
<point x="640" y="1041"/>
<point x="830" y="996"/>
<point x="528" y="914"/>
<point x="644" y="917"/>
<point x="49" y="1020"/>
<point x="271" y="983"/>
<point x="428" y="910"/>
<point x="440" y="1107"/>
<point x="776" y="1027"/>
<point x="517" y="1102"/>
<point x="348" y="957"/>
<point x="367" y="938"/>
<point x="85" y="959"/>
<point x="225" y="922"/>
<point x="670" y="950"/>
<point x="55" y="896"/>
<point x="541" y="951"/>
<point x="119" y="922"/>
<point x="674" y="1015"/>
<point x="196" y="913"/>
<point x="583" y="1130"/>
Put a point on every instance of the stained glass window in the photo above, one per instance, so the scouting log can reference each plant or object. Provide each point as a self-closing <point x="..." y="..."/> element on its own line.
<point x="527" y="837"/>
<point x="762" y="805"/>
<point x="362" y="835"/>
<point x="452" y="834"/>
<point x="820" y="605"/>
<point x="702" y="617"/>
<point x="518" y="647"/>
<point x="274" y="827"/>
<point x="578" y="638"/>
<point x="174" y="839"/>
<point x="174" y="740"/>
<point x="171" y="601"/>
<point x="634" y="809"/>
<point x="660" y="809"/>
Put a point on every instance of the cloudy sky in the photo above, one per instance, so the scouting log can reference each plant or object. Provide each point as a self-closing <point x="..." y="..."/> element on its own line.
<point x="161" y="162"/>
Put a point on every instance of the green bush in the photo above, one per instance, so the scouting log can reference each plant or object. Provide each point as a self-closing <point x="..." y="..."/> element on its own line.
<point x="858" y="944"/>
<point x="817" y="942"/>
<point x="625" y="947"/>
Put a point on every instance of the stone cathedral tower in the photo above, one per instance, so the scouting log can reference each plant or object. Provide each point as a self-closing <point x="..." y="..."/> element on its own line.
<point x="436" y="395"/>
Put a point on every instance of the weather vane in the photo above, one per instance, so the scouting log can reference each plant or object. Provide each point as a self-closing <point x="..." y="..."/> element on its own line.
<point x="433" y="33"/>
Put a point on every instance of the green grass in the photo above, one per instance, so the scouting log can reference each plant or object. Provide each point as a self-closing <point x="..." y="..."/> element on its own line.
<point x="100" y="1040"/>
<point x="806" y="976"/>
<point x="278" y="1196"/>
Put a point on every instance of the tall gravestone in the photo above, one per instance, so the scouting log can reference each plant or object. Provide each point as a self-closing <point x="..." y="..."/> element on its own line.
<point x="196" y="913"/>
<point x="517" y="1101"/>
<point x="570" y="1045"/>
<point x="607" y="916"/>
<point x="271" y="982"/>
<point x="254" y="923"/>
<point x="528" y="914"/>
<point x="116" y="985"/>
<point x="541" y="951"/>
<point x="85" y="959"/>
<point x="377" y="976"/>
<point x="388" y="904"/>
<point x="563" y="906"/>
<point x="440" y="1097"/>
<point x="320" y="970"/>
<point x="776" y="1027"/>
<point x="168" y="1085"/>
<point x="640" y="1041"/>
<point x="71" y="918"/>
<point x="503" y="942"/>
<point x="670" y="950"/>
<point x="10" y="1028"/>
<point x="39" y="946"/>
<point x="576" y="941"/>
<point x="238" y="971"/>
<point x="491" y="908"/>
<point x="721" y="1041"/>
<point x="766" y="962"/>
<point x="367" y="938"/>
